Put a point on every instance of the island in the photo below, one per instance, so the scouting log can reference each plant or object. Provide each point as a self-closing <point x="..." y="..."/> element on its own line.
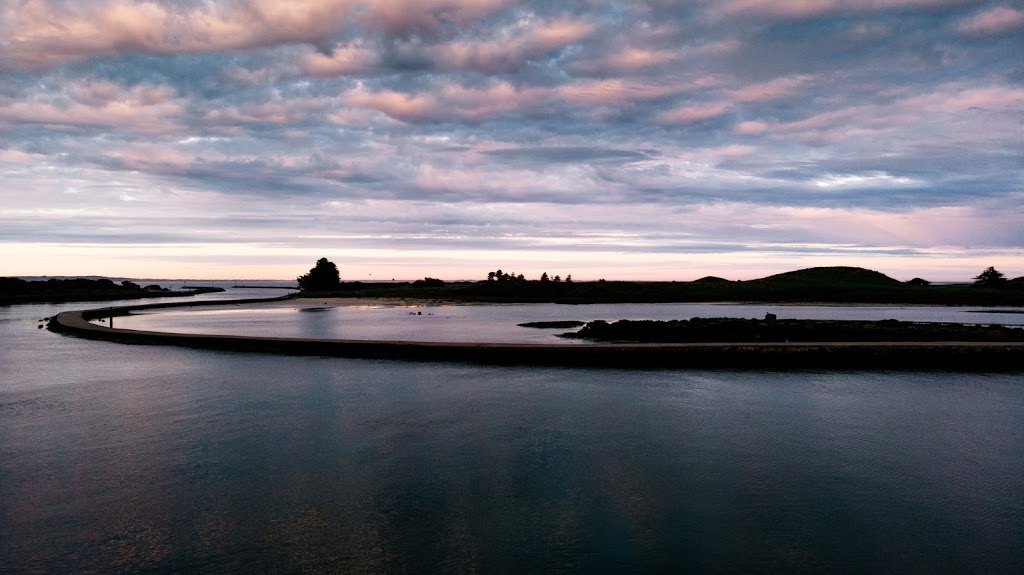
<point x="772" y="330"/>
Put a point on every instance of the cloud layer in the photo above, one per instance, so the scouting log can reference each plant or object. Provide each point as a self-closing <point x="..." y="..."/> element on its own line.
<point x="631" y="139"/>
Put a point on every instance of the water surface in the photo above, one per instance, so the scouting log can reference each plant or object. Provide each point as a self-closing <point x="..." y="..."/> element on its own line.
<point x="149" y="459"/>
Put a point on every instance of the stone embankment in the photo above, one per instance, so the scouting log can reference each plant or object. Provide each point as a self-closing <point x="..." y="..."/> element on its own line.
<point x="958" y="356"/>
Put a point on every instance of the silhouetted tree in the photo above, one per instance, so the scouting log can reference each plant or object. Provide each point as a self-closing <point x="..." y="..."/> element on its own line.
<point x="557" y="278"/>
<point x="544" y="277"/>
<point x="990" y="278"/>
<point x="568" y="279"/>
<point x="323" y="277"/>
<point x="504" y="276"/>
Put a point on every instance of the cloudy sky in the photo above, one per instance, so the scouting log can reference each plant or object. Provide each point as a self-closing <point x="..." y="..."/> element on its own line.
<point x="653" y="139"/>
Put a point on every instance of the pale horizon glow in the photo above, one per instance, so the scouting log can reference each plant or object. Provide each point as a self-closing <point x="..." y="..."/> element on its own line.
<point x="642" y="140"/>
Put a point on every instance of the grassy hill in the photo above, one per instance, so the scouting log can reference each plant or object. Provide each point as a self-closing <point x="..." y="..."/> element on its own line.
<point x="831" y="276"/>
<point x="713" y="280"/>
<point x="840" y="283"/>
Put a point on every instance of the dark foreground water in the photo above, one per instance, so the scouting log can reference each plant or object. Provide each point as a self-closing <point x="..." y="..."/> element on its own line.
<point x="119" y="458"/>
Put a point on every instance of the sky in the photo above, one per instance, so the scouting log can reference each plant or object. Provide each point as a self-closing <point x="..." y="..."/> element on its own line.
<point x="654" y="140"/>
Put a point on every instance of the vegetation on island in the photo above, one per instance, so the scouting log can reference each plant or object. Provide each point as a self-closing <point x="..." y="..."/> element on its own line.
<point x="323" y="277"/>
<point x="772" y="330"/>
<point x="54" y="290"/>
<point x="991" y="278"/>
<point x="812" y="285"/>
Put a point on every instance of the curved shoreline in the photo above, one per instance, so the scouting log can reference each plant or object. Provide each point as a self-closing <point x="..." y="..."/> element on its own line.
<point x="952" y="356"/>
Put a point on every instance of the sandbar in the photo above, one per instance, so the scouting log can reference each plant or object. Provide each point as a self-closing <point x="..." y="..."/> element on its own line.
<point x="951" y="356"/>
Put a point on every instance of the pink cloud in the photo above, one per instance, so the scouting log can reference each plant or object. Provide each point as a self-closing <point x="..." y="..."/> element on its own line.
<point x="617" y="91"/>
<point x="398" y="105"/>
<point x="772" y="90"/>
<point x="45" y="32"/>
<point x="628" y="59"/>
<point x="752" y="127"/>
<point x="449" y="101"/>
<point x="834" y="126"/>
<point x="717" y="154"/>
<point x="495" y="99"/>
<point x="454" y="101"/>
<point x="18" y="156"/>
<point x="504" y="50"/>
<point x="357" y="117"/>
<point x="632" y="53"/>
<point x="795" y="8"/>
<point x="940" y="112"/>
<point x="426" y="16"/>
<point x="252" y="76"/>
<point x="957" y="98"/>
<point x="810" y="8"/>
<point x="509" y="48"/>
<point x="732" y="151"/>
<point x="143" y="108"/>
<point x="692" y="113"/>
<point x="277" y="110"/>
<point x="638" y="58"/>
<point x="919" y="227"/>
<point x="344" y="60"/>
<point x="995" y="20"/>
<point x="152" y="158"/>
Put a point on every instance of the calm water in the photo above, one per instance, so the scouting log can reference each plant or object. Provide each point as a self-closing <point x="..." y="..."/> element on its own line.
<point x="495" y="323"/>
<point x="140" y="459"/>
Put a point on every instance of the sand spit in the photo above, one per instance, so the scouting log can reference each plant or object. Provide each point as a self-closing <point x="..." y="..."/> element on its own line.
<point x="955" y="356"/>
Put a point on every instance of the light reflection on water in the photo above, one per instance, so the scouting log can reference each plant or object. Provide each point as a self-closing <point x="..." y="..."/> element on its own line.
<point x="118" y="458"/>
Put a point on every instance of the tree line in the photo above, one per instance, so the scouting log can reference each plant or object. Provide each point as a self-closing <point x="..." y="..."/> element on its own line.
<point x="500" y="276"/>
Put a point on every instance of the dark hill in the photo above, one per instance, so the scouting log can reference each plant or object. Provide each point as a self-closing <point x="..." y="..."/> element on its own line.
<point x="838" y="275"/>
<point x="712" y="280"/>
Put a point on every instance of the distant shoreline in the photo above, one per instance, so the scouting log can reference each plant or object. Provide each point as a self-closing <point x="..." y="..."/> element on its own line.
<point x="18" y="299"/>
<point x="834" y="285"/>
<point x="949" y="356"/>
